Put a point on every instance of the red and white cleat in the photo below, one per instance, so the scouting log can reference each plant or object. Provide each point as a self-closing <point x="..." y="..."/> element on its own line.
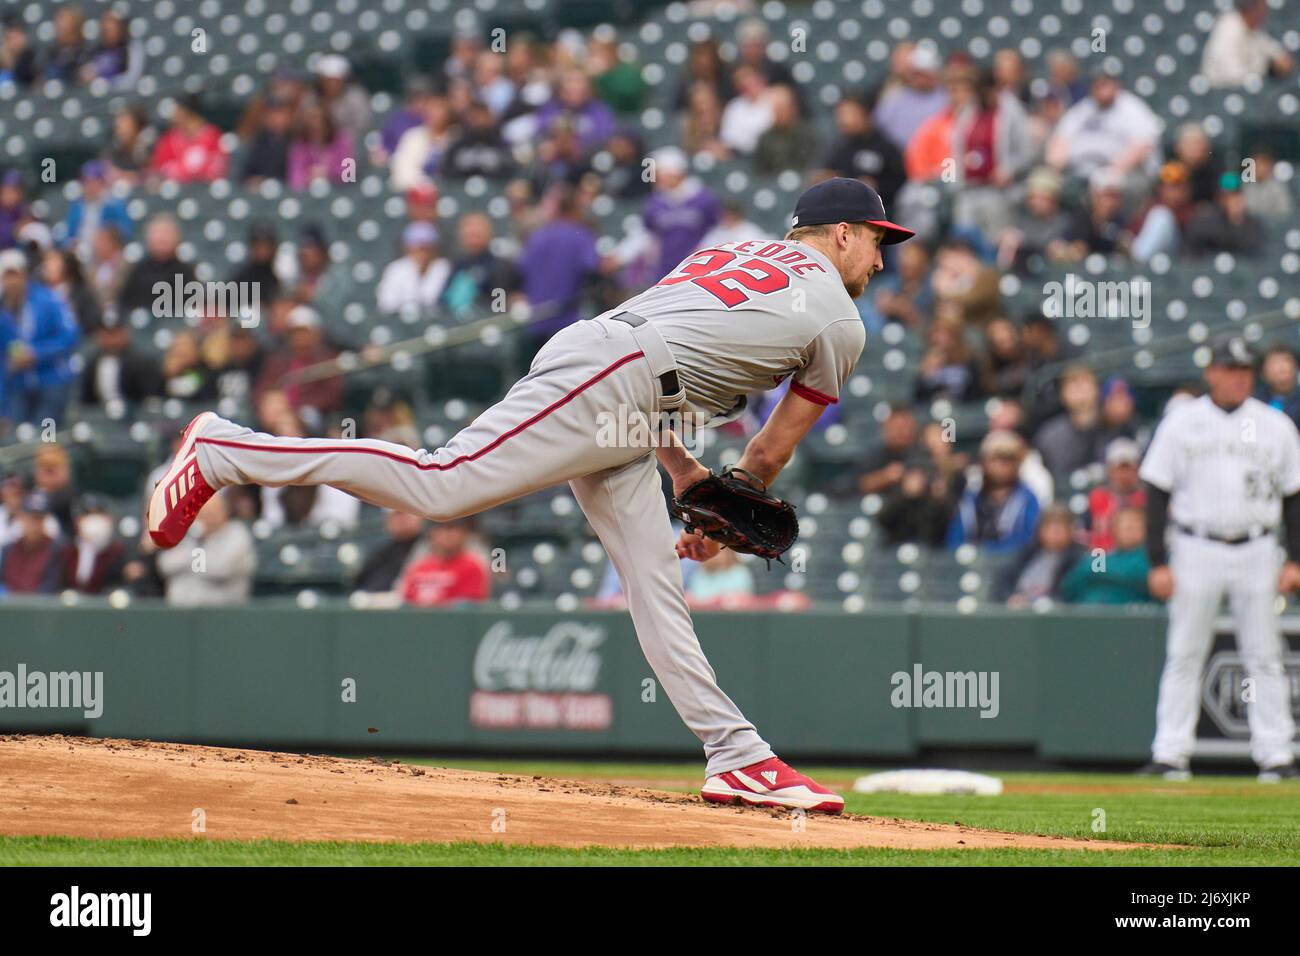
<point x="771" y="783"/>
<point x="181" y="492"/>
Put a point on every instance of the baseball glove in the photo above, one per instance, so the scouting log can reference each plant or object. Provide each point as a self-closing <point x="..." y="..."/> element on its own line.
<point x="736" y="509"/>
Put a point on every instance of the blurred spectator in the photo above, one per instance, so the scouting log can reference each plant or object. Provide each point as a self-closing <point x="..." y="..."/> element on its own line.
<point x="1278" y="381"/>
<point x="383" y="567"/>
<point x="346" y="102"/>
<point x="626" y="177"/>
<point x="1267" y="196"/>
<point x="185" y="375"/>
<point x="997" y="511"/>
<point x="479" y="278"/>
<point x="1119" y="576"/>
<point x="190" y="151"/>
<point x="1063" y="78"/>
<point x="965" y="289"/>
<point x="288" y="84"/>
<point x="1158" y="227"/>
<point x="389" y="417"/>
<point x="1076" y="438"/>
<point x="556" y="264"/>
<point x="1109" y="129"/>
<point x="1009" y="75"/>
<point x="259" y="268"/>
<point x="947" y="369"/>
<point x="789" y="143"/>
<point x="1193" y="149"/>
<point x="1099" y="227"/>
<point x="305" y="347"/>
<point x="1118" y="409"/>
<point x="320" y="150"/>
<point x="234" y="356"/>
<point x="860" y="151"/>
<point x="702" y="123"/>
<point x="309" y="506"/>
<point x="316" y="280"/>
<point x="903" y="295"/>
<point x="115" y="57"/>
<point x="1038" y="225"/>
<point x="561" y="159"/>
<point x="1226" y="225"/>
<point x="450" y="574"/>
<point x="575" y="103"/>
<point x="1006" y="368"/>
<point x="733" y="227"/>
<point x="115" y="371"/>
<point x="749" y="114"/>
<point x="917" y="510"/>
<point x="478" y="149"/>
<point x="13" y="489"/>
<point x="214" y="566"/>
<point x="38" y="337"/>
<point x="884" y="465"/>
<point x="720" y="582"/>
<point x="60" y="271"/>
<point x="617" y="80"/>
<point x="93" y="561"/>
<point x="17" y="56"/>
<point x="421" y="148"/>
<point x="1044" y="349"/>
<point x="409" y="115"/>
<point x="107" y="269"/>
<point x="52" y="477"/>
<point x="415" y="281"/>
<point x="1008" y="414"/>
<point x="95" y="207"/>
<point x="1121" y="490"/>
<point x="64" y="59"/>
<point x="1039" y="568"/>
<point x="705" y="68"/>
<point x="752" y="39"/>
<point x="681" y="211"/>
<point x="30" y="564"/>
<point x="1238" y="49"/>
<point x="268" y="151"/>
<point x="160" y="263"/>
<point x="13" y="208"/>
<point x="991" y="133"/>
<point x="492" y="85"/>
<point x="929" y="155"/>
<point x="905" y="107"/>
<point x="131" y="147"/>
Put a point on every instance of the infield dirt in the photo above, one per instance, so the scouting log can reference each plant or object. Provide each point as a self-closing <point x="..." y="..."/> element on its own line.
<point x="103" y="788"/>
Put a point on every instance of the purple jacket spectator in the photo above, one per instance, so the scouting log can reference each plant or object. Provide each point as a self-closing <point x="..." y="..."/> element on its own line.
<point x="594" y="121"/>
<point x="678" y="218"/>
<point x="308" y="161"/>
<point x="553" y="267"/>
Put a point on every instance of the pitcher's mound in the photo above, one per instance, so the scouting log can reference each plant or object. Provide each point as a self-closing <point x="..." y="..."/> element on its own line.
<point x="73" y="786"/>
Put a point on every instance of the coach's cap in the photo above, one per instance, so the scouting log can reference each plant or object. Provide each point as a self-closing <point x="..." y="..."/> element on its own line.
<point x="846" y="200"/>
<point x="1123" y="451"/>
<point x="1232" y="352"/>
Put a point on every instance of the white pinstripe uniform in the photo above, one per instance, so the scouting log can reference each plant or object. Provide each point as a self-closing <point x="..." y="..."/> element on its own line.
<point x="1226" y="473"/>
<point x="730" y="320"/>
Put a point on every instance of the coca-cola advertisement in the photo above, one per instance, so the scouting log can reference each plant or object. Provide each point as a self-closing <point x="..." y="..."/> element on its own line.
<point x="540" y="681"/>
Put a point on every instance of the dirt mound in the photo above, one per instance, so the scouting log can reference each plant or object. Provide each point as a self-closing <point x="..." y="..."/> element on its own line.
<point x="132" y="788"/>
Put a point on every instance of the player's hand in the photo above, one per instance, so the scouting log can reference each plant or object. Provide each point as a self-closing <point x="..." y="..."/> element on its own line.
<point x="695" y="546"/>
<point x="688" y="475"/>
<point x="1289" y="579"/>
<point x="1160" y="582"/>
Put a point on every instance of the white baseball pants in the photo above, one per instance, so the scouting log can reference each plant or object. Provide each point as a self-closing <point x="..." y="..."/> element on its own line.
<point x="547" y="429"/>
<point x="1204" y="572"/>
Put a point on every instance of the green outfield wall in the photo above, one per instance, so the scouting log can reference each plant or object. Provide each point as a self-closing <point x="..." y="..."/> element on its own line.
<point x="889" y="684"/>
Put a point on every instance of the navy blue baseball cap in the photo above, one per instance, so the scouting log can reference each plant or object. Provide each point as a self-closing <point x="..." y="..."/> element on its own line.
<point x="846" y="200"/>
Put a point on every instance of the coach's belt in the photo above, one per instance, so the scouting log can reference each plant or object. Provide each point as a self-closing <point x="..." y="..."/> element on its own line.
<point x="1252" y="535"/>
<point x="662" y="364"/>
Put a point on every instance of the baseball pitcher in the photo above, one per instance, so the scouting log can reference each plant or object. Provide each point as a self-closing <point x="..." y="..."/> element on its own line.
<point x="737" y="318"/>
<point x="1224" y="471"/>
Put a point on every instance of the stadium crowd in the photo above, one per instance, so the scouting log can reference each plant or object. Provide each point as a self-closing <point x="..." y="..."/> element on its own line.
<point x="1043" y="169"/>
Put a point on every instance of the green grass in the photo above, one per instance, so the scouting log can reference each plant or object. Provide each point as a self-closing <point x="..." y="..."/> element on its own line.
<point x="1215" y="821"/>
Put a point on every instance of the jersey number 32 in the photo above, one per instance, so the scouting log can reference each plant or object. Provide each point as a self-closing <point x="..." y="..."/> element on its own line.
<point x="730" y="286"/>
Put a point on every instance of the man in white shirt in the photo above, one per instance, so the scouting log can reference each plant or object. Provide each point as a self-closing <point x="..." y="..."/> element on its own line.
<point x="1108" y="128"/>
<point x="1238" y="48"/>
<point x="747" y="117"/>
<point x="416" y="280"/>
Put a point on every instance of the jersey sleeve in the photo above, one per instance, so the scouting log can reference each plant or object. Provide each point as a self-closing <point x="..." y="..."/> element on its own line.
<point x="1158" y="467"/>
<point x="1290" y="459"/>
<point x="830" y="358"/>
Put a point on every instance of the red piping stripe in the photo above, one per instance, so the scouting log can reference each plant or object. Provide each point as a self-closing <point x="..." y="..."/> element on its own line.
<point x="814" y="396"/>
<point x="434" y="466"/>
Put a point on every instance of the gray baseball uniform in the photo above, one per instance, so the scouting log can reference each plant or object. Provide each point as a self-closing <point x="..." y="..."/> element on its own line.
<point x="731" y="320"/>
<point x="1226" y="473"/>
